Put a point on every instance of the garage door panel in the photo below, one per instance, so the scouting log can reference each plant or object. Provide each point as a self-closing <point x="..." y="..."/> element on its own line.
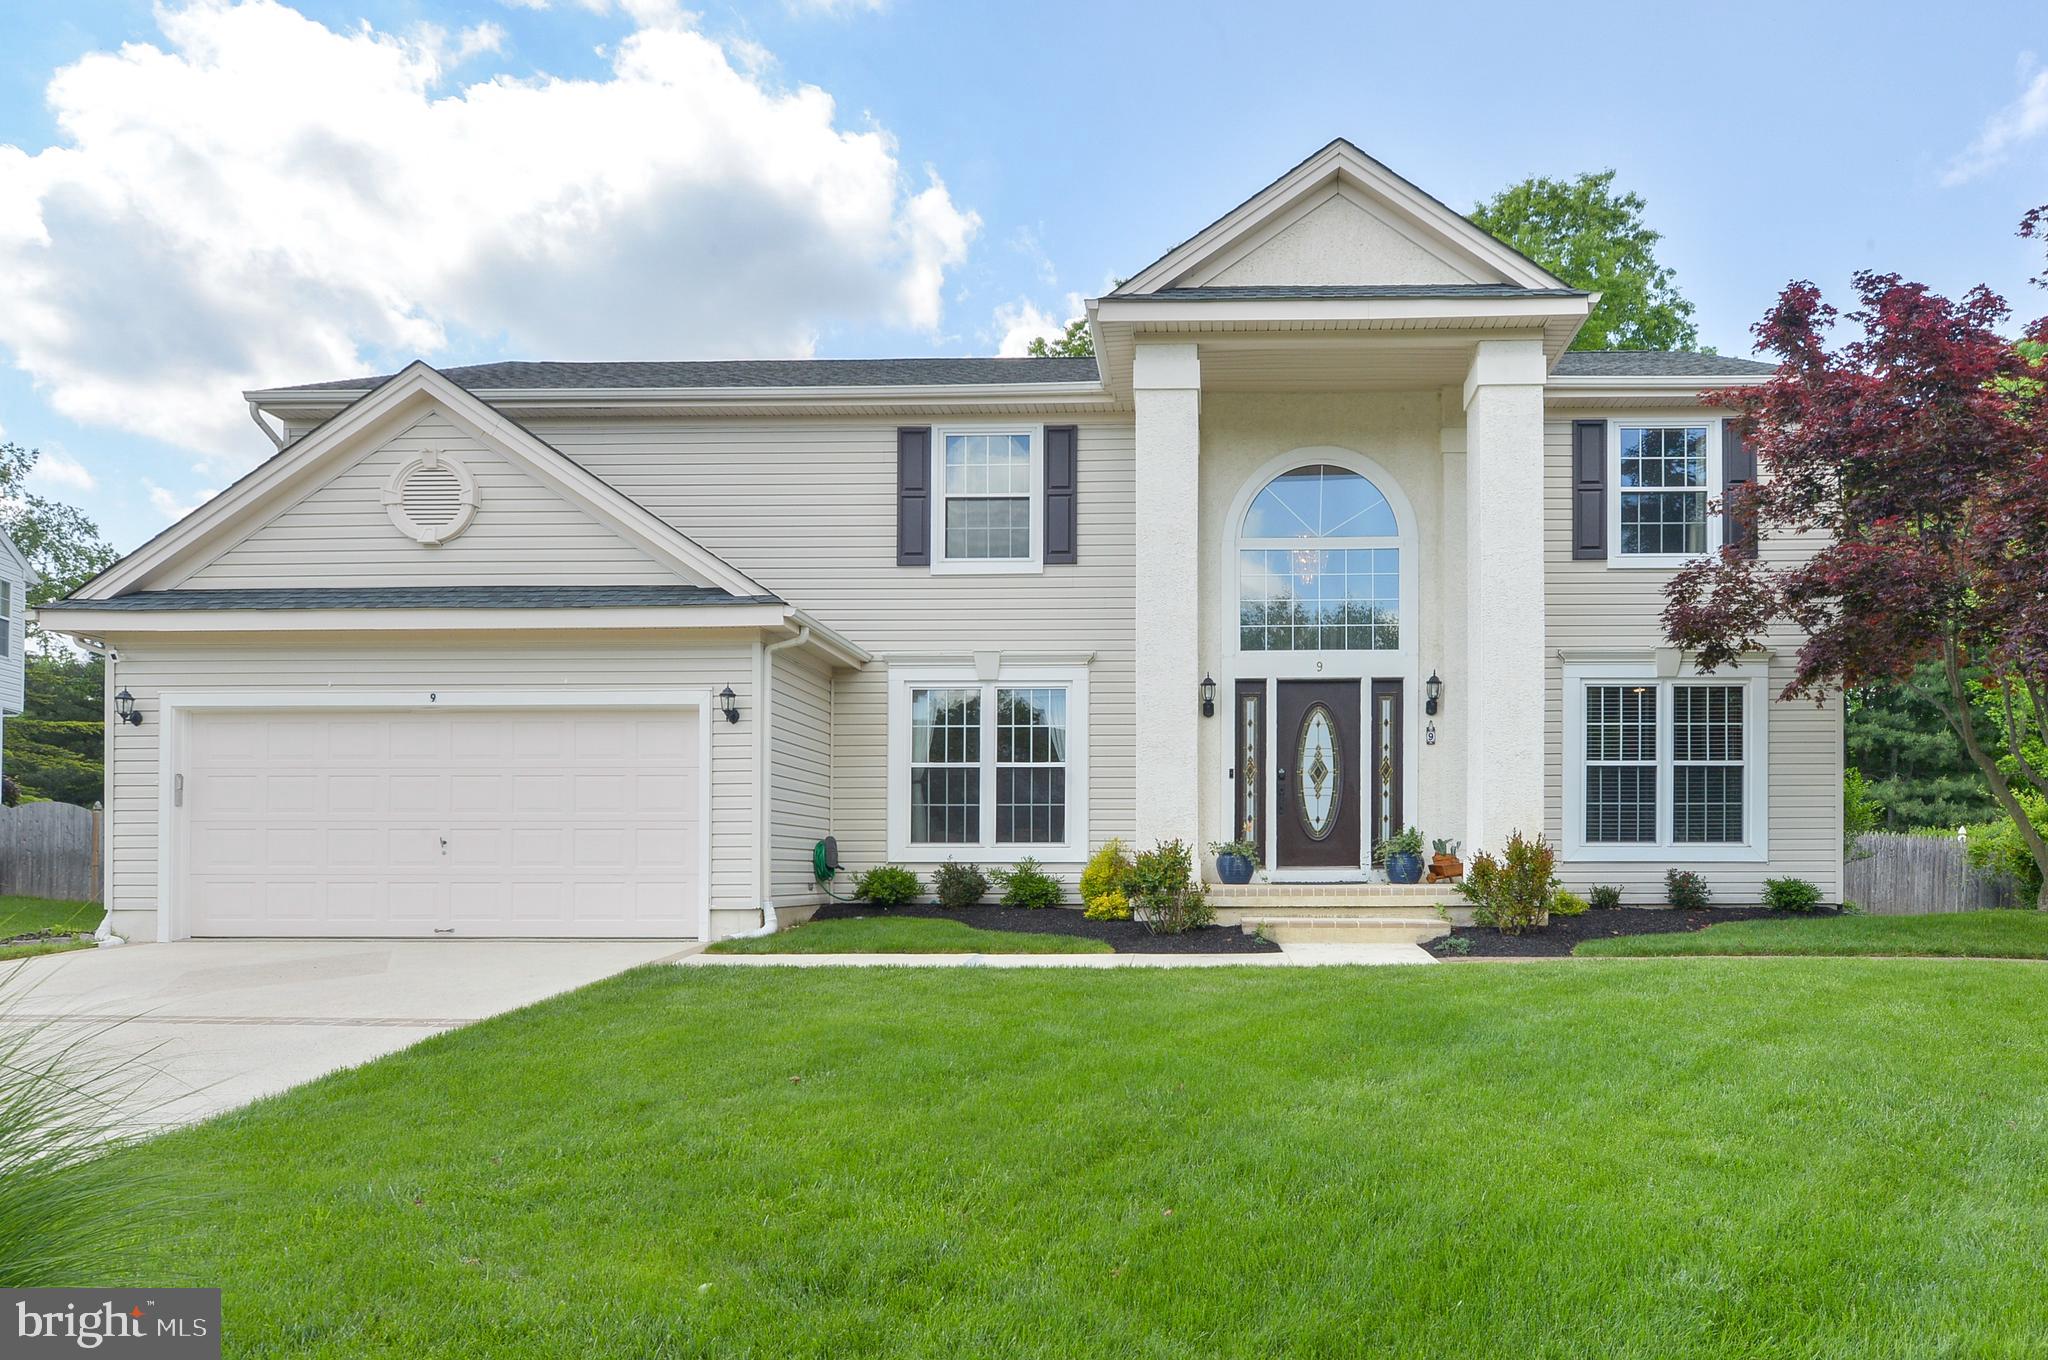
<point x="555" y="823"/>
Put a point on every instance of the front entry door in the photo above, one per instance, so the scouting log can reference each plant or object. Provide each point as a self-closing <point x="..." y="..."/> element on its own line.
<point x="1316" y="775"/>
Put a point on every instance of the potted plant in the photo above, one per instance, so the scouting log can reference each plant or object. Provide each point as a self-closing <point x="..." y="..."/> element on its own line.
<point x="1235" y="860"/>
<point x="1402" y="854"/>
<point x="1444" y="863"/>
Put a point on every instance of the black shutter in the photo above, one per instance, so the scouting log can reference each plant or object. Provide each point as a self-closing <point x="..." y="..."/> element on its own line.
<point x="1589" y="490"/>
<point x="914" y="497"/>
<point x="1062" y="503"/>
<point x="1738" y="469"/>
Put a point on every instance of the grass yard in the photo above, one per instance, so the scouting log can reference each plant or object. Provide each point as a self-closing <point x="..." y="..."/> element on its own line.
<point x="42" y="915"/>
<point x="1710" y="1158"/>
<point x="1963" y="934"/>
<point x="905" y="935"/>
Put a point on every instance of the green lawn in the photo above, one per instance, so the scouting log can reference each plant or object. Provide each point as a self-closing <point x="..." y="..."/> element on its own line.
<point x="906" y="935"/>
<point x="31" y="915"/>
<point x="1669" y="1160"/>
<point x="1963" y="934"/>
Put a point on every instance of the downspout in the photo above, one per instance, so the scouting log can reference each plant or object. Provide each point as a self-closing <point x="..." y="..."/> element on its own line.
<point x="276" y="437"/>
<point x="764" y="783"/>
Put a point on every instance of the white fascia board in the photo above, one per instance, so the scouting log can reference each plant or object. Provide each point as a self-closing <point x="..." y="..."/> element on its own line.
<point x="287" y="401"/>
<point x="833" y="644"/>
<point x="1237" y="311"/>
<point x="102" y="623"/>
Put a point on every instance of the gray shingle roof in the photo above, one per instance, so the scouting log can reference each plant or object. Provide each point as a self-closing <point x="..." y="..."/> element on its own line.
<point x="417" y="597"/>
<point x="746" y="373"/>
<point x="1350" y="290"/>
<point x="1648" y="363"/>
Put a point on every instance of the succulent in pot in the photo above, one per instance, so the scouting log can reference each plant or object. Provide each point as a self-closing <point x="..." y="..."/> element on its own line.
<point x="1444" y="863"/>
<point x="1401" y="853"/>
<point x="1235" y="860"/>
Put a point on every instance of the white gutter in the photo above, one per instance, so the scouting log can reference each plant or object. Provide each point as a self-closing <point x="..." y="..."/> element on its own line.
<point x="276" y="437"/>
<point x="764" y="779"/>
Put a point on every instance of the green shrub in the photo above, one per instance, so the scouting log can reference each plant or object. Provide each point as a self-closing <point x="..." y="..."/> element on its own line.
<point x="959" y="885"/>
<point x="1565" y="903"/>
<point x="1108" y="871"/>
<point x="1450" y="944"/>
<point x="888" y="885"/>
<point x="1790" y="894"/>
<point x="1110" y="906"/>
<point x="1167" y="892"/>
<point x="1512" y="893"/>
<point x="1861" y="812"/>
<point x="1604" y="895"/>
<point x="1998" y="848"/>
<point x="1686" y="890"/>
<point x="1026" y="885"/>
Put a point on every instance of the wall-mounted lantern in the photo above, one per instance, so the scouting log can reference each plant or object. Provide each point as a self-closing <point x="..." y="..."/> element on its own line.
<point x="1433" y="688"/>
<point x="729" y="704"/>
<point x="125" y="709"/>
<point x="1208" y="697"/>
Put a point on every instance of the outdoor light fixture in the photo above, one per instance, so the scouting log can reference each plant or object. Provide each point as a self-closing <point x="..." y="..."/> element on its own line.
<point x="1208" y="697"/>
<point x="729" y="704"/>
<point x="1434" y="688"/>
<point x="124" y="708"/>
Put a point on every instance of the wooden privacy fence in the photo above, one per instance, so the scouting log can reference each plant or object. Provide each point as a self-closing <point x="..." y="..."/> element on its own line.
<point x="1893" y="875"/>
<point x="50" y="850"/>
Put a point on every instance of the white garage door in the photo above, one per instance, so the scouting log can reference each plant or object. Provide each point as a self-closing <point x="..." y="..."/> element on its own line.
<point x="544" y="822"/>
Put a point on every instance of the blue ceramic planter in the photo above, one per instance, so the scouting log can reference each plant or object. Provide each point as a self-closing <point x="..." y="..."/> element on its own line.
<point x="1404" y="868"/>
<point x="1234" y="868"/>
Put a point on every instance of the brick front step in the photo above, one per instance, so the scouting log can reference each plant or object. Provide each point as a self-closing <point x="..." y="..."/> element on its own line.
<point x="1348" y="929"/>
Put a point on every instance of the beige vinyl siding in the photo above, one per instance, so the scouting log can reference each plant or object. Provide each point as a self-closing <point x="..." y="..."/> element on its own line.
<point x="800" y="766"/>
<point x="523" y="533"/>
<point x="1595" y="606"/>
<point x="267" y="666"/>
<point x="807" y="507"/>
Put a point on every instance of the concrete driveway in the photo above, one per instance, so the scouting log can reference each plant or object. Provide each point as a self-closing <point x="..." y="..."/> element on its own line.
<point x="213" y="1024"/>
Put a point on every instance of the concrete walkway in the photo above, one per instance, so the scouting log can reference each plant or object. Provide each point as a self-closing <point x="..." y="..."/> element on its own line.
<point x="1290" y="956"/>
<point x="212" y="1024"/>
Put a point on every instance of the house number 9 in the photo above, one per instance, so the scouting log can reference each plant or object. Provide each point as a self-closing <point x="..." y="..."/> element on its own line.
<point x="1319" y="663"/>
<point x="433" y="698"/>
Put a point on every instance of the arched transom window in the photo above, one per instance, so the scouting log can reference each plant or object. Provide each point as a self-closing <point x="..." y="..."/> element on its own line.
<point x="1319" y="566"/>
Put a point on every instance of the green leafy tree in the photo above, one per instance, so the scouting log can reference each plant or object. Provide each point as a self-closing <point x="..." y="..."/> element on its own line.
<point x="1912" y="760"/>
<point x="1073" y="343"/>
<point x="60" y="541"/>
<point x="1593" y="238"/>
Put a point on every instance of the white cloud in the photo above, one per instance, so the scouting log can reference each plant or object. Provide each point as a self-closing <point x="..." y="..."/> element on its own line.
<point x="62" y="472"/>
<point x="263" y="200"/>
<point x="834" y="9"/>
<point x="1019" y="323"/>
<point x="2018" y="122"/>
<point x="524" y="4"/>
<point x="173" y="507"/>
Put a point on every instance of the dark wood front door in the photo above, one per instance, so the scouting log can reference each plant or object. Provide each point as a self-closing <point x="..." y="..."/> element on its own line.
<point x="1316" y="812"/>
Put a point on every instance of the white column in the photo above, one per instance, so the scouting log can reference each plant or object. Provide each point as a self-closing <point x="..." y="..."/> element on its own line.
<point x="1168" y="383"/>
<point x="1444" y="770"/>
<point x="1504" y="696"/>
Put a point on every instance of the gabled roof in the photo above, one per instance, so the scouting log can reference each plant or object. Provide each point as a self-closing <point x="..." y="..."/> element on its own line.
<point x="282" y="479"/>
<point x="737" y="373"/>
<point x="19" y="558"/>
<point x="1266" y="292"/>
<point x="1341" y="164"/>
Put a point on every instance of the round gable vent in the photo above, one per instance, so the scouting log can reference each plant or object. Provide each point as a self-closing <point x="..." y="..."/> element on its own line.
<point x="432" y="498"/>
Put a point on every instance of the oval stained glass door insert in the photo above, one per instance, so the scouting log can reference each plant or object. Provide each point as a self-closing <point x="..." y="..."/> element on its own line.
<point x="1318" y="776"/>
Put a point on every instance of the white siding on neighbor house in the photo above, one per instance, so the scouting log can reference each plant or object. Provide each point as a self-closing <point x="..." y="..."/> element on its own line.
<point x="1595" y="605"/>
<point x="523" y="533"/>
<point x="800" y="773"/>
<point x="807" y="506"/>
<point x="267" y="666"/>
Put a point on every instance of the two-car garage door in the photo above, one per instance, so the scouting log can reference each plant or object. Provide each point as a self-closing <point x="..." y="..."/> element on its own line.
<point x="485" y="822"/>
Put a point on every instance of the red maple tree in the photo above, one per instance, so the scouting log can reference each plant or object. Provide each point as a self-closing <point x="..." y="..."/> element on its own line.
<point x="1920" y="449"/>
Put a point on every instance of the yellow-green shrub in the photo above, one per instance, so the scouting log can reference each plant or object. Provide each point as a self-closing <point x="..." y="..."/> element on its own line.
<point x="1110" y="906"/>
<point x="1108" y="871"/>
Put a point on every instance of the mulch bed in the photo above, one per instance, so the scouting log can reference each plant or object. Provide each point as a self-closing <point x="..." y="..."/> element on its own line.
<point x="1597" y="923"/>
<point x="1125" y="937"/>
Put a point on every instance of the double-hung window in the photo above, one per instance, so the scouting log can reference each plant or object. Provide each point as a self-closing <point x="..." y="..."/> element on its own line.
<point x="988" y="769"/>
<point x="1664" y="766"/>
<point x="1664" y="475"/>
<point x="986" y="511"/>
<point x="6" y="616"/>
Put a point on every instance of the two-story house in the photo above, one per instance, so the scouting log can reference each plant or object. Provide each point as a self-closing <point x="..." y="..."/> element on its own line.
<point x="1334" y="535"/>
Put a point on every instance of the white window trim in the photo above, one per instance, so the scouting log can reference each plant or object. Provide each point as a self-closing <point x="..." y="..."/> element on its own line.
<point x="1001" y="566"/>
<point x="1630" y="561"/>
<point x="7" y="606"/>
<point x="1756" y="811"/>
<point x="903" y="679"/>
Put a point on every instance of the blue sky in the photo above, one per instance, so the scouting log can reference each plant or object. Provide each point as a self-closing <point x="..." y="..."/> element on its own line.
<point x="245" y="197"/>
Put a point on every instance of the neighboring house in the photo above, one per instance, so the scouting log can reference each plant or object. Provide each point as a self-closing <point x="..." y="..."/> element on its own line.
<point x="15" y="577"/>
<point x="454" y="660"/>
